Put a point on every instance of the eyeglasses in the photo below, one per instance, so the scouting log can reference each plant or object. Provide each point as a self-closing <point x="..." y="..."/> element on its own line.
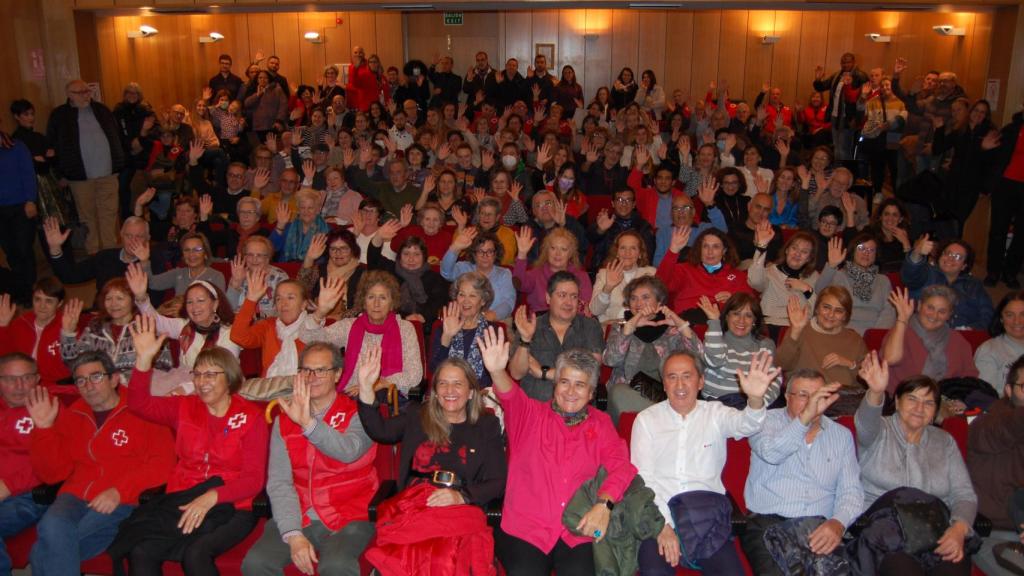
<point x="193" y="250"/>
<point x="340" y="249"/>
<point x="95" y="378"/>
<point x="799" y="395"/>
<point x="256" y="256"/>
<point x="23" y="378"/>
<point x="208" y="376"/>
<point x="866" y="249"/>
<point x="623" y="200"/>
<point x="249" y="212"/>
<point x="682" y="209"/>
<point x="483" y="252"/>
<point x="545" y="204"/>
<point x="318" y="372"/>
<point x="954" y="255"/>
<point x="829" y="223"/>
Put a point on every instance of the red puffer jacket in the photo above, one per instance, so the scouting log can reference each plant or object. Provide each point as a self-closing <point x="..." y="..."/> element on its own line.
<point x="413" y="538"/>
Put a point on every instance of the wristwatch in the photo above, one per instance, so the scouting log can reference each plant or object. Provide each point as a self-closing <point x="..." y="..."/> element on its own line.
<point x="608" y="503"/>
<point x="544" y="372"/>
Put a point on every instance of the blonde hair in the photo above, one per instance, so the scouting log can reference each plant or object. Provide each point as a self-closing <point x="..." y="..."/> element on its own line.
<point x="555" y="234"/>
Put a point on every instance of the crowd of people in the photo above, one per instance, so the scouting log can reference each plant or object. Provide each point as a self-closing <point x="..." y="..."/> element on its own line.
<point x="503" y="236"/>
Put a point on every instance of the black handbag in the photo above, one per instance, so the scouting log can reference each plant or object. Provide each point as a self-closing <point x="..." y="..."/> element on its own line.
<point x="648" y="387"/>
<point x="923" y="523"/>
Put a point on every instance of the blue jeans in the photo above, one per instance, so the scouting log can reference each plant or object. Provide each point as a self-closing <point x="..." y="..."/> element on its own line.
<point x="16" y="514"/>
<point x="68" y="521"/>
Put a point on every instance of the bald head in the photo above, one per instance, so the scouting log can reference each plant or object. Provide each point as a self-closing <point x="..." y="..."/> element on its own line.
<point x="79" y="94"/>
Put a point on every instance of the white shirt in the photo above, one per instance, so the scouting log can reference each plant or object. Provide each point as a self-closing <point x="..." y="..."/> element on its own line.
<point x="403" y="138"/>
<point x="676" y="454"/>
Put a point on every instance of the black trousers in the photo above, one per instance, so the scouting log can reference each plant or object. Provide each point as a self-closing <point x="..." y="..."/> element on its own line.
<point x="752" y="540"/>
<point x="17" y="239"/>
<point x="520" y="558"/>
<point x="1007" y="209"/>
<point x="903" y="564"/>
<point x="200" y="556"/>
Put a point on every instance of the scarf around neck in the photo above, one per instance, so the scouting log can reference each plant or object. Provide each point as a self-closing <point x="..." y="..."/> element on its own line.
<point x="462" y="348"/>
<point x="862" y="280"/>
<point x="390" y="344"/>
<point x="570" y="418"/>
<point x="413" y="294"/>
<point x="286" y="363"/>
<point x="935" y="342"/>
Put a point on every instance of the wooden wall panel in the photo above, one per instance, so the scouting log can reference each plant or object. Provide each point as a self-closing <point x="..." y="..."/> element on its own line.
<point x="678" y="51"/>
<point x="519" y="39"/>
<point x="625" y="41"/>
<point x="431" y="36"/>
<point x="875" y="53"/>
<point x="390" y="45"/>
<point x="759" y="57"/>
<point x="261" y="34"/>
<point x="813" y="43"/>
<point x="545" y="31"/>
<point x="840" y="37"/>
<point x="732" y="53"/>
<point x="707" y="28"/>
<point x="651" y="50"/>
<point x="363" y="27"/>
<point x="287" y="41"/>
<point x="786" y="54"/>
<point x="572" y="26"/>
<point x="338" y="41"/>
<point x="313" y="57"/>
<point x="598" y="48"/>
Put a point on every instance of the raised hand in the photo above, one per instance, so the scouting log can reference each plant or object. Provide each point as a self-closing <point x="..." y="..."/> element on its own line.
<point x="836" y="252"/>
<point x="924" y="246"/>
<point x="138" y="280"/>
<point x="493" y="349"/>
<point x="368" y="372"/>
<point x="7" y="310"/>
<point x="515" y="189"/>
<point x="429" y="183"/>
<point x="237" y="271"/>
<point x="54" y="237"/>
<point x="405" y="216"/>
<point x="875" y="372"/>
<point x="900" y="66"/>
<point x="797" y="312"/>
<point x="709" y="308"/>
<point x="271" y="142"/>
<point x="388" y="230"/>
<point x="257" y="284"/>
<point x="72" y="312"/>
<point x="559" y="212"/>
<point x="782" y="147"/>
<point x="486" y="159"/>
<point x="284" y="214"/>
<point x="308" y="169"/>
<point x="358" y="222"/>
<point x="147" y="342"/>
<point x="331" y="292"/>
<point x="755" y="381"/>
<point x="591" y="152"/>
<point x="604" y="220"/>
<point x="819" y="72"/>
<point x="464" y="239"/>
<point x="614" y="275"/>
<point x="317" y="247"/>
<point x="764" y="233"/>
<point x="819" y="402"/>
<point x="683" y="144"/>
<point x="992" y="140"/>
<point x="460" y="217"/>
<point x="524" y="241"/>
<point x="526" y="323"/>
<point x="296" y="406"/>
<point x="707" y="191"/>
<point x="205" y="207"/>
<point x="901" y="301"/>
<point x="138" y="248"/>
<point x="195" y="151"/>
<point x="41" y="407"/>
<point x="543" y="155"/>
<point x="849" y="204"/>
<point x="451" y="322"/>
<point x="640" y="156"/>
<point x="260" y="178"/>
<point x="680" y="239"/>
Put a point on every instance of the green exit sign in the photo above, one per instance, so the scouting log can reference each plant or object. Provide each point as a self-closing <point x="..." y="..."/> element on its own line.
<point x="453" y="18"/>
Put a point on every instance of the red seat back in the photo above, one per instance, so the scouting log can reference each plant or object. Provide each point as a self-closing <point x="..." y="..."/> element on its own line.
<point x="874" y="337"/>
<point x="957" y="428"/>
<point x="737" y="466"/>
<point x="625" y="427"/>
<point x="975" y="337"/>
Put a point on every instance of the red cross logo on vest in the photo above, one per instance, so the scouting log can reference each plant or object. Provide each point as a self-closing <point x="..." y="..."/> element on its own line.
<point x="54" y="348"/>
<point x="236" y="421"/>
<point x="120" y="437"/>
<point x="337" y="419"/>
<point x="24" y="425"/>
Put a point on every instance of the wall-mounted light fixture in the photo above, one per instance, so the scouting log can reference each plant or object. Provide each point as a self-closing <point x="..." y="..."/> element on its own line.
<point x="949" y="30"/>
<point x="211" y="38"/>
<point x="770" y="39"/>
<point x="143" y="32"/>
<point x="313" y="37"/>
<point x="880" y="38"/>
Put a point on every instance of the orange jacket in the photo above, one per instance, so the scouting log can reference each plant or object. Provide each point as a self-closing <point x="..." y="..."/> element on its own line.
<point x="262" y="335"/>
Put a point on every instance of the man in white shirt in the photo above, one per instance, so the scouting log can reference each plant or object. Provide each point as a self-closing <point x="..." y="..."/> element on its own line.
<point x="679" y="445"/>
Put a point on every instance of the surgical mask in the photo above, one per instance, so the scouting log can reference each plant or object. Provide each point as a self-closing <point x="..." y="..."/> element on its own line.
<point x="565" y="184"/>
<point x="721" y="145"/>
<point x="380" y="143"/>
<point x="224" y="105"/>
<point x="712" y="268"/>
<point x="509" y="161"/>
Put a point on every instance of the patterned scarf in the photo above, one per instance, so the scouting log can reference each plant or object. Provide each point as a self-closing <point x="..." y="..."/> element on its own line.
<point x="459" y="345"/>
<point x="296" y="242"/>
<point x="571" y="418"/>
<point x="935" y="342"/>
<point x="862" y="280"/>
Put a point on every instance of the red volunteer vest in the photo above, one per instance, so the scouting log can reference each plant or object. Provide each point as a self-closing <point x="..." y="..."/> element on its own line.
<point x="203" y="453"/>
<point x="339" y="493"/>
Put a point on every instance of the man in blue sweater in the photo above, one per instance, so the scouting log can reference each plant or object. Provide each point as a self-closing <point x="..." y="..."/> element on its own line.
<point x="18" y="213"/>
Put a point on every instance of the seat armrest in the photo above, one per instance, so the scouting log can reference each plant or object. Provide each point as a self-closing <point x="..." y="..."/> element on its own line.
<point x="45" y="494"/>
<point x="493" y="512"/>
<point x="982" y="525"/>
<point x="387" y="489"/>
<point x="738" y="518"/>
<point x="261" y="506"/>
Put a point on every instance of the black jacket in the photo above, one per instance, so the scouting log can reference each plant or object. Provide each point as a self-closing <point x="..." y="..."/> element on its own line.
<point x="232" y="84"/>
<point x="1009" y="133"/>
<point x="450" y="85"/>
<point x="62" y="131"/>
<point x="506" y="92"/>
<point x="130" y="118"/>
<point x="602" y="242"/>
<point x="434" y="285"/>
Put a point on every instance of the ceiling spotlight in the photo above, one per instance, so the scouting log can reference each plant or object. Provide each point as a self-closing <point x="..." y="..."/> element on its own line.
<point x="876" y="37"/>
<point x="143" y="32"/>
<point x="313" y="37"/>
<point x="949" y="30"/>
<point x="769" y="39"/>
<point x="213" y="37"/>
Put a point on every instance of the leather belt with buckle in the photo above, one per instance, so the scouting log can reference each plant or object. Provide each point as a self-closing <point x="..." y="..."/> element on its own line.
<point x="445" y="478"/>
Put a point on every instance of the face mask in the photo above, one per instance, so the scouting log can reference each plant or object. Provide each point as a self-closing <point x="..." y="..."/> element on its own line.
<point x="224" y="105"/>
<point x="721" y="145"/>
<point x="509" y="161"/>
<point x="711" y="269"/>
<point x="565" y="184"/>
<point x="379" y="143"/>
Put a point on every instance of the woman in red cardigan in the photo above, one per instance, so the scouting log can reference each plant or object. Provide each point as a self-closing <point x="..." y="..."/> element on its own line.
<point x="709" y="270"/>
<point x="221" y="444"/>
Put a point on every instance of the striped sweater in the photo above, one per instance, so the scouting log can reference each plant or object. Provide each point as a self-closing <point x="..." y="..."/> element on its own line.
<point x="724" y="354"/>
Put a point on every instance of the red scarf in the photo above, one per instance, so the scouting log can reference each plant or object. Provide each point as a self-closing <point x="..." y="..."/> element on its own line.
<point x="390" y="344"/>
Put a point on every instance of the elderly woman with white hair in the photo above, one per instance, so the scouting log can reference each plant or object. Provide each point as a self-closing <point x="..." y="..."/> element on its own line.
<point x="463" y="323"/>
<point x="837" y="193"/>
<point x="558" y="445"/>
<point x="292" y="239"/>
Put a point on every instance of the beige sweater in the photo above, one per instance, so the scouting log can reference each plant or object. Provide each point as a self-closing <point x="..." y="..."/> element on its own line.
<point x="771" y="283"/>
<point x="810" y="349"/>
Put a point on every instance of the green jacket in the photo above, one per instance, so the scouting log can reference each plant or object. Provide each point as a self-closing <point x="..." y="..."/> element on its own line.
<point x="634" y="519"/>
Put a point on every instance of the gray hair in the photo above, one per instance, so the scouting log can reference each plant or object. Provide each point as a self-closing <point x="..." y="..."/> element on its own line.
<point x="940" y="291"/>
<point x="93" y="356"/>
<point x="682" y="353"/>
<point x="488" y="201"/>
<point x="248" y="200"/>
<point x="805" y="374"/>
<point x="654" y="283"/>
<point x="136" y="220"/>
<point x="337" y="360"/>
<point x="477" y="281"/>
<point x="582" y="360"/>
